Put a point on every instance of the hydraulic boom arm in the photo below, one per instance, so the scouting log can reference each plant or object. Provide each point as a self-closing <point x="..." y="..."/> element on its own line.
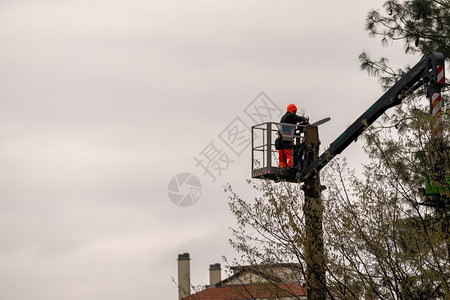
<point x="428" y="71"/>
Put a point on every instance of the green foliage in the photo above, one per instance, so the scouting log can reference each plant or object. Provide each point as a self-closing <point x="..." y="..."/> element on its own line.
<point x="271" y="227"/>
<point x="423" y="25"/>
<point x="380" y="243"/>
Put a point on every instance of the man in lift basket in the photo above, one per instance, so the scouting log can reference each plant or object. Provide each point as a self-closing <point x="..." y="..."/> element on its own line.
<point x="285" y="147"/>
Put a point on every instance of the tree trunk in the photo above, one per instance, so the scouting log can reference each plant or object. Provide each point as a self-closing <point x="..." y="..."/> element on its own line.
<point x="313" y="211"/>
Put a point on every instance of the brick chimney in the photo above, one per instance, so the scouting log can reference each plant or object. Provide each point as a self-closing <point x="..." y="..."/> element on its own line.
<point x="184" y="275"/>
<point x="215" y="274"/>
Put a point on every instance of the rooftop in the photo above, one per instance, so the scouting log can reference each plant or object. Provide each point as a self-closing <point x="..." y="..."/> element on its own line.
<point x="254" y="291"/>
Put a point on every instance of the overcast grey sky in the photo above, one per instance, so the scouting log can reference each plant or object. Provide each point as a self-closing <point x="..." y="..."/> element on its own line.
<point x="103" y="102"/>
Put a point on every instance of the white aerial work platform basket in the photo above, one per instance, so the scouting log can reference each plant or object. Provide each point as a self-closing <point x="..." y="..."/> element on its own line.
<point x="264" y="154"/>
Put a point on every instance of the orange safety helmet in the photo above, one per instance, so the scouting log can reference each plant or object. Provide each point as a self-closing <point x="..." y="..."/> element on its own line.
<point x="292" y="108"/>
